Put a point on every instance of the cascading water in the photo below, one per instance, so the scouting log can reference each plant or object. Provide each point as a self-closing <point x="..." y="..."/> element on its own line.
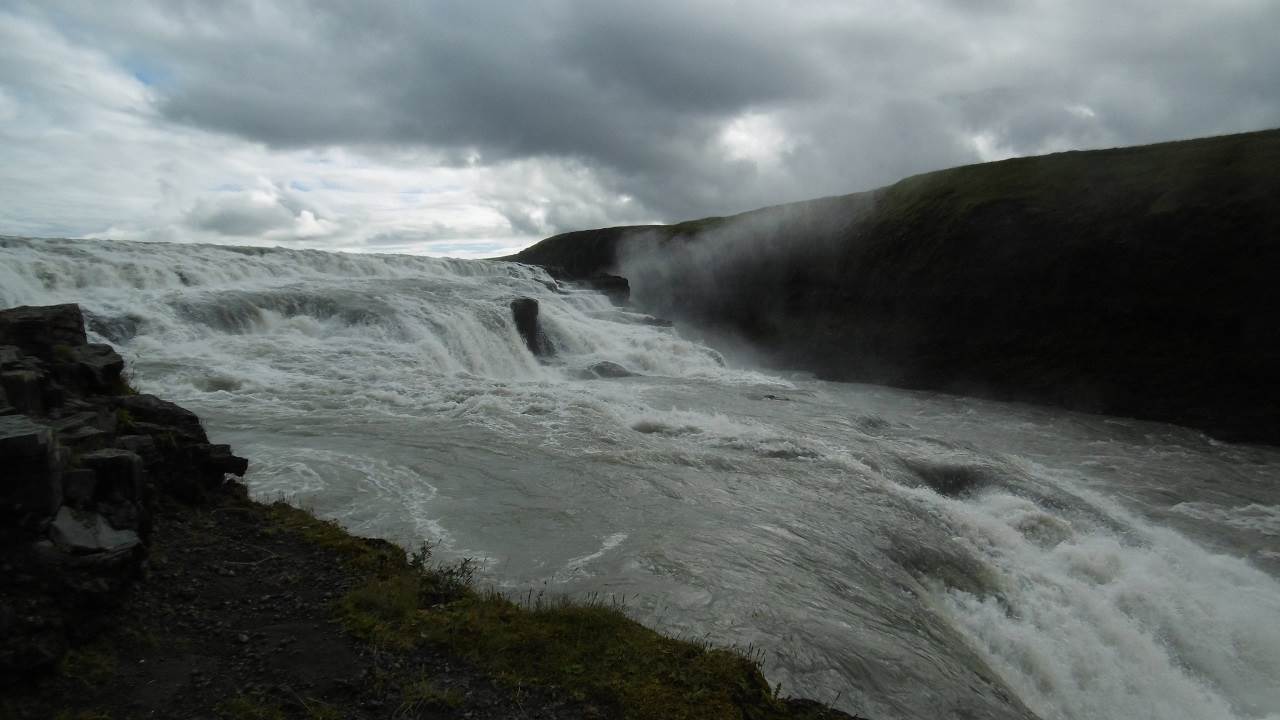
<point x="903" y="555"/>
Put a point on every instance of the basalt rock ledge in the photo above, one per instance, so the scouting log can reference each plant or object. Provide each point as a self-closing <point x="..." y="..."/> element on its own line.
<point x="84" y="459"/>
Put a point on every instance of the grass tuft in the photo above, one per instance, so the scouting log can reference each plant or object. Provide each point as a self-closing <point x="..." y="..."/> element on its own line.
<point x="249" y="707"/>
<point x="91" y="665"/>
<point x="590" y="651"/>
<point x="425" y="694"/>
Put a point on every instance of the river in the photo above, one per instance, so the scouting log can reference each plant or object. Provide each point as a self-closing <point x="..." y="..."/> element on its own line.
<point x="899" y="554"/>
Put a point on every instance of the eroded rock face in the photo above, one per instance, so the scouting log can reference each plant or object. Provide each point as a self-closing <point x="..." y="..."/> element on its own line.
<point x="82" y="461"/>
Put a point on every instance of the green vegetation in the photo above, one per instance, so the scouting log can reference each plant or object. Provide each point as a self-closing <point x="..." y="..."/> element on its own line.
<point x="1146" y="180"/>
<point x="424" y="694"/>
<point x="249" y="707"/>
<point x="1165" y="178"/>
<point x="317" y="710"/>
<point x="91" y="665"/>
<point x="590" y="651"/>
<point x="374" y="557"/>
<point x="598" y="654"/>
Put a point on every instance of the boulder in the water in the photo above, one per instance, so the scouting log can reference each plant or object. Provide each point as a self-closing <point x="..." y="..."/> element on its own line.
<point x="615" y="287"/>
<point x="116" y="328"/>
<point x="953" y="479"/>
<point x="606" y="369"/>
<point x="525" y="312"/>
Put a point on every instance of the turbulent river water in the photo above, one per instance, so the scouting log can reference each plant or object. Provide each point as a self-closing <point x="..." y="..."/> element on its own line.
<point x="898" y="554"/>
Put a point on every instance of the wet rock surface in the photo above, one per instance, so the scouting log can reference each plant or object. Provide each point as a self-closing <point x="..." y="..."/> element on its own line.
<point x="615" y="287"/>
<point x="525" y="313"/>
<point x="77" y="494"/>
<point x="606" y="369"/>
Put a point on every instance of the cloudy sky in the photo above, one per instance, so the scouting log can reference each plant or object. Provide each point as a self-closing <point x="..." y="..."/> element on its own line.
<point x="473" y="128"/>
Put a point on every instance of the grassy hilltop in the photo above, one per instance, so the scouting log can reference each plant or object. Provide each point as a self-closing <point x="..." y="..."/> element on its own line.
<point x="1134" y="281"/>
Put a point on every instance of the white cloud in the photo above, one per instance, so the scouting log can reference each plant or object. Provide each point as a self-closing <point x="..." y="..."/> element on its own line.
<point x="756" y="137"/>
<point x="442" y="128"/>
<point x="86" y="152"/>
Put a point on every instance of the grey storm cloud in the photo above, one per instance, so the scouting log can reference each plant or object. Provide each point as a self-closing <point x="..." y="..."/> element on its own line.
<point x="239" y="220"/>
<point x="680" y="109"/>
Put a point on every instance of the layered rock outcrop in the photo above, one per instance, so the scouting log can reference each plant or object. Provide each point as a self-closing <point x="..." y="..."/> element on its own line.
<point x="83" y="458"/>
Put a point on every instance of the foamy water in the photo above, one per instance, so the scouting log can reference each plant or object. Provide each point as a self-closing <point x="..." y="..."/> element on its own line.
<point x="904" y="555"/>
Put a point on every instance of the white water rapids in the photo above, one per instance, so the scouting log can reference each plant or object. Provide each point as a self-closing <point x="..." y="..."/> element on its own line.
<point x="903" y="555"/>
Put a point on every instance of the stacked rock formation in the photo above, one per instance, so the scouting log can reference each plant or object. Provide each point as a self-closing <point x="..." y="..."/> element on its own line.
<point x="83" y="461"/>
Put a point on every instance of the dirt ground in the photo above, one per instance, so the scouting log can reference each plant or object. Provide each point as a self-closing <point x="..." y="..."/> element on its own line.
<point x="234" y="620"/>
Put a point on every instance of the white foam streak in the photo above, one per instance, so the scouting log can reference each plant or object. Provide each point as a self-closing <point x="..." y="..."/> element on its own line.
<point x="1264" y="519"/>
<point x="1094" y="624"/>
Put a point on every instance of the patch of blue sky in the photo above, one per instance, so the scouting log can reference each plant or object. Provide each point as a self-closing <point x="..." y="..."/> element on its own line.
<point x="146" y="71"/>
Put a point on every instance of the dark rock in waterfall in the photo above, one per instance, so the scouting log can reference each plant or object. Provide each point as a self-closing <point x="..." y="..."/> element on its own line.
<point x="653" y="321"/>
<point x="525" y="313"/>
<point x="117" y="328"/>
<point x="953" y="479"/>
<point x="615" y="287"/>
<point x="606" y="369"/>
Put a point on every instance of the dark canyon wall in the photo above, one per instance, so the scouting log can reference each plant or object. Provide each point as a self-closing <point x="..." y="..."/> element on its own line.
<point x="1139" y="281"/>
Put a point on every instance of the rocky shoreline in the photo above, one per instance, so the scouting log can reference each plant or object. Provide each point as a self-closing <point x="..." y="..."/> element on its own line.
<point x="139" y="580"/>
<point x="87" y="459"/>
